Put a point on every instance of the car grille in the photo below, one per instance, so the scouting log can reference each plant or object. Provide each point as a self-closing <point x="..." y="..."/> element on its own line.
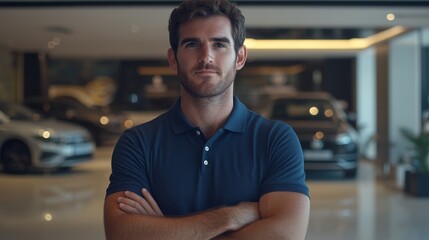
<point x="79" y="157"/>
<point x="47" y="155"/>
<point x="338" y="149"/>
<point x="71" y="139"/>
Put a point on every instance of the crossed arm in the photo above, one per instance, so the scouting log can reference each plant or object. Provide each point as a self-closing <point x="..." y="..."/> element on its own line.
<point x="278" y="215"/>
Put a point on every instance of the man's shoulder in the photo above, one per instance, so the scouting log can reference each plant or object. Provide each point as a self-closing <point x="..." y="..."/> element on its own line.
<point x="147" y="129"/>
<point x="144" y="135"/>
<point x="257" y="119"/>
<point x="158" y="121"/>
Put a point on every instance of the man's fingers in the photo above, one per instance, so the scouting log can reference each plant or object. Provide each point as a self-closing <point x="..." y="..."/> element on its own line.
<point x="152" y="203"/>
<point x="134" y="203"/>
<point x="146" y="204"/>
<point x="128" y="209"/>
<point x="130" y="206"/>
<point x="142" y="202"/>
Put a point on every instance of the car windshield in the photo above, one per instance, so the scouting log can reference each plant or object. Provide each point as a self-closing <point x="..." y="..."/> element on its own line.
<point x="303" y="109"/>
<point x="18" y="112"/>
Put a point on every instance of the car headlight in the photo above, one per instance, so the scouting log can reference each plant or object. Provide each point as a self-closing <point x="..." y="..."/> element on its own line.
<point x="45" y="135"/>
<point x="343" y="139"/>
<point x="49" y="137"/>
<point x="128" y="123"/>
<point x="104" y="120"/>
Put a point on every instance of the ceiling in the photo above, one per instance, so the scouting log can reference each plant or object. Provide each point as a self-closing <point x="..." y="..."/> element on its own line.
<point x="140" y="32"/>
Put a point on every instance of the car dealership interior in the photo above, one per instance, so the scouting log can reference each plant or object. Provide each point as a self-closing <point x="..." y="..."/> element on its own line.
<point x="91" y="69"/>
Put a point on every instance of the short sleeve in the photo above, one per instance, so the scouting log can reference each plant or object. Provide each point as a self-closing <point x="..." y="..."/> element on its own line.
<point x="128" y="165"/>
<point x="285" y="171"/>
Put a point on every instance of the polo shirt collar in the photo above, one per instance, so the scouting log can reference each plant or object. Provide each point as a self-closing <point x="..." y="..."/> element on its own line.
<point x="238" y="118"/>
<point x="235" y="123"/>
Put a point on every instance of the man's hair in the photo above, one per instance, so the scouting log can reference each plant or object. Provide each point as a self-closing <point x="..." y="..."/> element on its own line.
<point x="191" y="9"/>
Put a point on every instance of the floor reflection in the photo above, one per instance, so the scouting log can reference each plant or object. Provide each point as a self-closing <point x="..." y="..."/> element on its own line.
<point x="364" y="209"/>
<point x="68" y="205"/>
<point x="55" y="205"/>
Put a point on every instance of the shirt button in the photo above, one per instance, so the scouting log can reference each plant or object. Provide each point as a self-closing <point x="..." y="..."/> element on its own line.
<point x="207" y="149"/>
<point x="206" y="162"/>
<point x="198" y="132"/>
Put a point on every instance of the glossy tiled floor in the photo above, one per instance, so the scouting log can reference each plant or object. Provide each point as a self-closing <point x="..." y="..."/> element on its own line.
<point x="69" y="206"/>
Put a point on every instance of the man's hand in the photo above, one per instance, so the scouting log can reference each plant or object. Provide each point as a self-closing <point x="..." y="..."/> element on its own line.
<point x="133" y="203"/>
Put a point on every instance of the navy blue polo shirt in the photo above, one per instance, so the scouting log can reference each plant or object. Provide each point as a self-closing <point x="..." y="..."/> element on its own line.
<point x="187" y="173"/>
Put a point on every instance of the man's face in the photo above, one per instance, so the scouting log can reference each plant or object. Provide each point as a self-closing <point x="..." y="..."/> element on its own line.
<point x="206" y="61"/>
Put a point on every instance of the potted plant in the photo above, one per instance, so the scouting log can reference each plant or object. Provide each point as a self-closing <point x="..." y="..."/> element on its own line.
<point x="417" y="179"/>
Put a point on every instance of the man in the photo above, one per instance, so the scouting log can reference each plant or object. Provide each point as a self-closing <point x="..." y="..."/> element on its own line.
<point x="208" y="168"/>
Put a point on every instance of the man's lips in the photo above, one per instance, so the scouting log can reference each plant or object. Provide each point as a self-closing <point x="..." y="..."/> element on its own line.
<point x="208" y="71"/>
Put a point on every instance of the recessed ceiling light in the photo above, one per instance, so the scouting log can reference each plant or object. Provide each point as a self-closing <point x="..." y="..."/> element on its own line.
<point x="51" y="45"/>
<point x="54" y="42"/>
<point x="390" y="17"/>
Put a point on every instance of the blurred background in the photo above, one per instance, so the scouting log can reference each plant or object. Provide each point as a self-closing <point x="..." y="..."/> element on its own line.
<point x="350" y="76"/>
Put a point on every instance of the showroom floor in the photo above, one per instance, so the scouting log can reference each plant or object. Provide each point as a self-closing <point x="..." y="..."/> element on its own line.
<point x="69" y="206"/>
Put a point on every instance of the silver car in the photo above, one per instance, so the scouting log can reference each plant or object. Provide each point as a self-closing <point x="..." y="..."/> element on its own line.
<point x="29" y="142"/>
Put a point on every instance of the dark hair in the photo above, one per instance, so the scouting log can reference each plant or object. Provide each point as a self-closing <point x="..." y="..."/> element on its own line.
<point x="191" y="9"/>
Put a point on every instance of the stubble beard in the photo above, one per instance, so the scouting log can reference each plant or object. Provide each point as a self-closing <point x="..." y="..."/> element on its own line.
<point x="213" y="92"/>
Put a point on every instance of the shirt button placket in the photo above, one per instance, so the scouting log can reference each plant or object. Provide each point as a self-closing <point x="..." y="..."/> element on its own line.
<point x="206" y="162"/>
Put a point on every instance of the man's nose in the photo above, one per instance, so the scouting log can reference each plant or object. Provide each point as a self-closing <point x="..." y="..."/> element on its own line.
<point x="206" y="54"/>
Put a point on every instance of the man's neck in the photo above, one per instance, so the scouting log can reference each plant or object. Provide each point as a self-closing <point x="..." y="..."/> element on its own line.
<point x="208" y="114"/>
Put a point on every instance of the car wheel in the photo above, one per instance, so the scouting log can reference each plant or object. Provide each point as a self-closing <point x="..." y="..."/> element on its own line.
<point x="16" y="157"/>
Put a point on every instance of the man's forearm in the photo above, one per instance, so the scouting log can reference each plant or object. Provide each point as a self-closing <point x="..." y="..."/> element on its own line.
<point x="262" y="229"/>
<point x="203" y="225"/>
<point x="284" y="216"/>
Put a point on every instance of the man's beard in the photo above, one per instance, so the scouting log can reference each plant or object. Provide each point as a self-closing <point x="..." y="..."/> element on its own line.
<point x="214" y="91"/>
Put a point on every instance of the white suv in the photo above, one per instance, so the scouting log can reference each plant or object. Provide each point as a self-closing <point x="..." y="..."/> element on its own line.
<point x="28" y="142"/>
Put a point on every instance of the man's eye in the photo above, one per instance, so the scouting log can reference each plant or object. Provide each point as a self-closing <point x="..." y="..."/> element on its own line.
<point x="191" y="45"/>
<point x="220" y="45"/>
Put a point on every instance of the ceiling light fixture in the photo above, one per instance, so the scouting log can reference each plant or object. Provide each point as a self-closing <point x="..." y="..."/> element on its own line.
<point x="56" y="41"/>
<point x="390" y="17"/>
<point x="322" y="44"/>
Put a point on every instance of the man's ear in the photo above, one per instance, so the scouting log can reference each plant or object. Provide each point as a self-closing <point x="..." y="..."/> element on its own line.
<point x="241" y="57"/>
<point x="171" y="57"/>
